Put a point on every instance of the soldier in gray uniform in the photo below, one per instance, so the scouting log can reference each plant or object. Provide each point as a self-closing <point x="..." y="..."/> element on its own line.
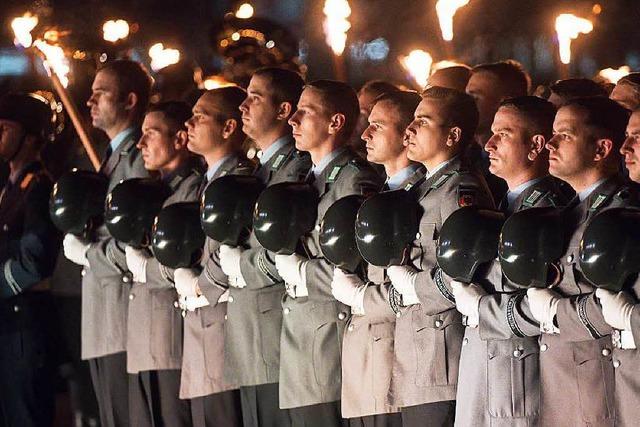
<point x="498" y="376"/>
<point x="154" y="325"/>
<point x="252" y="338"/>
<point x="429" y="331"/>
<point x="314" y="322"/>
<point x="367" y="348"/>
<point x="215" y="133"/>
<point x="29" y="245"/>
<point x="620" y="309"/>
<point x="576" y="369"/>
<point x="120" y="94"/>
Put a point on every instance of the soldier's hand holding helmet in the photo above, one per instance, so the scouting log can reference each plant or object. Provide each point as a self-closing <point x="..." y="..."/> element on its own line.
<point x="230" y="265"/>
<point x="293" y="270"/>
<point x="186" y="281"/>
<point x="468" y="300"/>
<point x="403" y="279"/>
<point x="616" y="308"/>
<point x="137" y="263"/>
<point x="543" y="303"/>
<point x="348" y="289"/>
<point x="75" y="249"/>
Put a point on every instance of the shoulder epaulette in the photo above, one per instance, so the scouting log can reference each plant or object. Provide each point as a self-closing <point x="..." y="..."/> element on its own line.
<point x="534" y="197"/>
<point x="444" y="178"/>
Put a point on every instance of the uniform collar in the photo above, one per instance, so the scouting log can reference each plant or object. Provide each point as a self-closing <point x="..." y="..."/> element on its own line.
<point x="211" y="171"/>
<point x="121" y="137"/>
<point x="512" y="195"/>
<point x="394" y="182"/>
<point x="273" y="149"/>
<point x="322" y="164"/>
<point x="584" y="194"/>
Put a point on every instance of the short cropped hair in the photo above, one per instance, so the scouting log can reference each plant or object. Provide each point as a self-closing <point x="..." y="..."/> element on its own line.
<point x="608" y="118"/>
<point x="577" y="88"/>
<point x="175" y="113"/>
<point x="339" y="97"/>
<point x="132" y="77"/>
<point x="405" y="103"/>
<point x="539" y="113"/>
<point x="513" y="77"/>
<point x="378" y="87"/>
<point x="461" y="109"/>
<point x="286" y="85"/>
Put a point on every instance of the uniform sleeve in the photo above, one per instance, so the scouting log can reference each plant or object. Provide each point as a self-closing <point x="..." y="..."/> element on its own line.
<point x="580" y="318"/>
<point x="212" y="281"/>
<point x="258" y="268"/>
<point x="376" y="304"/>
<point x="505" y="315"/>
<point x="319" y="272"/>
<point x="32" y="257"/>
<point x="158" y="275"/>
<point x="107" y="258"/>
<point x="635" y="323"/>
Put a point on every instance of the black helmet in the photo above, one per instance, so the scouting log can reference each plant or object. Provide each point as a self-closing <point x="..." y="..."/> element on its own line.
<point x="284" y="213"/>
<point x="468" y="238"/>
<point x="176" y="237"/>
<point x="338" y="234"/>
<point x="610" y="248"/>
<point x="226" y="208"/>
<point x="32" y="111"/>
<point x="77" y="201"/>
<point x="386" y="225"/>
<point x="131" y="207"/>
<point x="531" y="242"/>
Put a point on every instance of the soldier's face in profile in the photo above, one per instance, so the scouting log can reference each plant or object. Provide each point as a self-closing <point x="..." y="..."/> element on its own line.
<point x="205" y="127"/>
<point x="384" y="136"/>
<point x="509" y="145"/>
<point x="10" y="135"/>
<point x="365" y="101"/>
<point x="159" y="144"/>
<point x="106" y="106"/>
<point x="426" y="135"/>
<point x="572" y="148"/>
<point x="259" y="112"/>
<point x="310" y="122"/>
<point x="631" y="147"/>
<point x="626" y="95"/>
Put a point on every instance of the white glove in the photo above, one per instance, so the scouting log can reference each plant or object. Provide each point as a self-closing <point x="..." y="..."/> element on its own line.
<point x="186" y="281"/>
<point x="349" y="290"/>
<point x="75" y="249"/>
<point x="193" y="303"/>
<point x="137" y="263"/>
<point x="468" y="300"/>
<point x="403" y="279"/>
<point x="224" y="297"/>
<point x="543" y="303"/>
<point x="230" y="260"/>
<point x="293" y="270"/>
<point x="616" y="308"/>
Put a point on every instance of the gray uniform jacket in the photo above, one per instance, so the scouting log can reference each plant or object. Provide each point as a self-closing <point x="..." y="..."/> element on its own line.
<point x="428" y="336"/>
<point x="627" y="366"/>
<point x="367" y="346"/>
<point x="154" y="324"/>
<point x="106" y="283"/>
<point x="254" y="318"/>
<point x="576" y="370"/>
<point x="313" y="326"/>
<point x="498" y="379"/>
<point x="202" y="357"/>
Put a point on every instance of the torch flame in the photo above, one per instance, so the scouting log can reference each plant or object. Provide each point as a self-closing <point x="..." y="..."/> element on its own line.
<point x="418" y="64"/>
<point x="245" y="11"/>
<point x="569" y="27"/>
<point x="613" y="75"/>
<point x="445" y="10"/>
<point x="216" y="82"/>
<point x="22" y="27"/>
<point x="115" y="30"/>
<point x="54" y="60"/>
<point x="336" y="24"/>
<point x="161" y="57"/>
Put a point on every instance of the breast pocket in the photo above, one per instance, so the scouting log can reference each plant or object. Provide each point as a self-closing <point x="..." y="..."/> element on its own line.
<point x="438" y="341"/>
<point x="166" y="325"/>
<point x="594" y="371"/>
<point x="270" y="307"/>
<point x="327" y="342"/>
<point x="382" y="338"/>
<point x="425" y="242"/>
<point x="513" y="378"/>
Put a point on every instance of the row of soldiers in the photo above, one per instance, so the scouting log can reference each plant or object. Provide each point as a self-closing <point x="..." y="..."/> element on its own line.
<point x="258" y="338"/>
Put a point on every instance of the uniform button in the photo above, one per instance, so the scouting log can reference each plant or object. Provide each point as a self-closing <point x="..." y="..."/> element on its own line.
<point x="230" y="299"/>
<point x="418" y="235"/>
<point x="616" y="363"/>
<point x="544" y="347"/>
<point x="83" y="272"/>
<point x="287" y="310"/>
<point x="125" y="279"/>
<point x="16" y="308"/>
<point x="131" y="297"/>
<point x="342" y="315"/>
<point x="398" y="315"/>
<point x="350" y="328"/>
<point x="5" y="227"/>
<point x="176" y="304"/>
<point x="570" y="258"/>
<point x="517" y="353"/>
<point x="465" y="341"/>
<point x="606" y="352"/>
<point x="317" y="227"/>
<point x="438" y="323"/>
<point x="225" y="317"/>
